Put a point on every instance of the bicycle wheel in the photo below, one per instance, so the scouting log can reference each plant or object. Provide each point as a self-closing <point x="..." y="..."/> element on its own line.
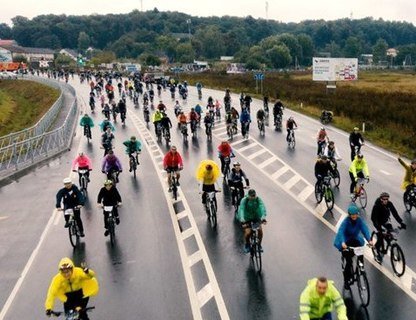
<point x="329" y="198"/>
<point x="374" y="239"/>
<point x="337" y="178"/>
<point x="84" y="185"/>
<point x="73" y="233"/>
<point x="318" y="193"/>
<point x="363" y="198"/>
<point x="213" y="215"/>
<point x="174" y="189"/>
<point x="134" y="170"/>
<point x="258" y="261"/>
<point x="111" y="230"/>
<point x="407" y="204"/>
<point x="363" y="288"/>
<point x="397" y="259"/>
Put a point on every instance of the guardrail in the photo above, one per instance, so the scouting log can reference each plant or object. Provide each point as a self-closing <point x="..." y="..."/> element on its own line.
<point x="21" y="154"/>
<point x="44" y="123"/>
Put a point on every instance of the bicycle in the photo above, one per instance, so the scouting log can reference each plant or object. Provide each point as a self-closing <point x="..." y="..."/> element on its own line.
<point x="193" y="128"/>
<point x="113" y="176"/>
<point x="184" y="131"/>
<point x="255" y="246"/>
<point x="226" y="168"/>
<point x="146" y="114"/>
<point x="111" y="223"/>
<point x="278" y="122"/>
<point x="87" y="132"/>
<point x="360" y="193"/>
<point x="236" y="197"/>
<point x="174" y="184"/>
<point x="83" y="181"/>
<point x="291" y="141"/>
<point x="71" y="314"/>
<point x="245" y="128"/>
<point x="230" y="131"/>
<point x="134" y="162"/>
<point x="397" y="258"/>
<point x="335" y="176"/>
<point x="73" y="229"/>
<point x="410" y="200"/>
<point x="359" y="275"/>
<point x="260" y="124"/>
<point x="211" y="207"/>
<point x="159" y="132"/>
<point x="123" y="118"/>
<point x="323" y="191"/>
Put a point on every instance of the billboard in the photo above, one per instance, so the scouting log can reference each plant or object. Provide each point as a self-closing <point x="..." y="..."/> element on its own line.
<point x="335" y="69"/>
<point x="5" y="55"/>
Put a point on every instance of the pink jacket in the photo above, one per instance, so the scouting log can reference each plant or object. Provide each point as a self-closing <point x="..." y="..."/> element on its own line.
<point x="80" y="162"/>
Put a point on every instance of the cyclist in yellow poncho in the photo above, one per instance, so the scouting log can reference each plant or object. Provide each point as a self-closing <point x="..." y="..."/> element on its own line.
<point x="207" y="175"/>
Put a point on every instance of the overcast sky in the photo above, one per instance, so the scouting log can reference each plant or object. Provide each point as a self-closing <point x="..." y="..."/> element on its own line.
<point x="281" y="10"/>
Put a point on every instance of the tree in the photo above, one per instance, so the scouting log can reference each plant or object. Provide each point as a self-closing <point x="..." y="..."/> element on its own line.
<point x="334" y="49"/>
<point x="149" y="60"/>
<point x="5" y="31"/>
<point x="307" y="49"/>
<point x="167" y="44"/>
<point x="48" y="41"/>
<point x="212" y="42"/>
<point x="279" y="56"/>
<point x="62" y="60"/>
<point x="185" y="53"/>
<point x="291" y="42"/>
<point x="352" y="47"/>
<point x="84" y="41"/>
<point x="380" y="50"/>
<point x="103" y="57"/>
<point x="20" y="58"/>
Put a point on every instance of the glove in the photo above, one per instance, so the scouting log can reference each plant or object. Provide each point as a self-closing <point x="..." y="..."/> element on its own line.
<point x="356" y="179"/>
<point x="368" y="178"/>
<point x="403" y="226"/>
<point x="48" y="312"/>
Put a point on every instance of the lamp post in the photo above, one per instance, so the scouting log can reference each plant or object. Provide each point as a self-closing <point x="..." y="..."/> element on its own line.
<point x="188" y="21"/>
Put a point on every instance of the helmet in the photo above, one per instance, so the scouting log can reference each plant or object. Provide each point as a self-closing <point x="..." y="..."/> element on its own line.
<point x="384" y="195"/>
<point x="322" y="128"/>
<point x="236" y="164"/>
<point x="108" y="182"/>
<point x="331" y="143"/>
<point x="67" y="180"/>
<point x="133" y="138"/>
<point x="360" y="155"/>
<point x="356" y="129"/>
<point x="208" y="167"/>
<point x="353" y="209"/>
<point x="252" y="193"/>
<point x="66" y="264"/>
<point x="81" y="153"/>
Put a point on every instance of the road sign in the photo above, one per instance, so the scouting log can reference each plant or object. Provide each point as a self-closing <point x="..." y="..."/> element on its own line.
<point x="259" y="76"/>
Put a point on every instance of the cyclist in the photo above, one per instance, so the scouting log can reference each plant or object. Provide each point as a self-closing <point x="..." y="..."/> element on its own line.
<point x="332" y="152"/>
<point x="172" y="162"/>
<point x="409" y="180"/>
<point x="322" y="169"/>
<point x="182" y="120"/>
<point x="252" y="209"/>
<point x="261" y="115"/>
<point x="321" y="140"/>
<point x="111" y="163"/>
<point x="199" y="88"/>
<point x="318" y="300"/>
<point x="193" y="118"/>
<point x="224" y="151"/>
<point x="161" y="107"/>
<point x="86" y="122"/>
<point x="207" y="174"/>
<point x="208" y="122"/>
<point x="122" y="109"/>
<point x="156" y="118"/>
<point x="217" y="108"/>
<point x="235" y="116"/>
<point x="198" y="110"/>
<point x="73" y="286"/>
<point x="380" y="215"/>
<point x="109" y="196"/>
<point x="241" y="99"/>
<point x="106" y="111"/>
<point x="82" y="162"/>
<point x="106" y="124"/>
<point x="290" y="125"/>
<point x="145" y="98"/>
<point x="71" y="198"/>
<point x="245" y="120"/>
<point x="278" y="109"/>
<point x="210" y="101"/>
<point x="235" y="181"/>
<point x="166" y="123"/>
<point x="358" y="169"/>
<point x="247" y="101"/>
<point x="106" y="140"/>
<point x="133" y="145"/>
<point x="177" y="108"/>
<point x="356" y="140"/>
<point x="349" y="235"/>
<point x="266" y="104"/>
<point x="92" y="101"/>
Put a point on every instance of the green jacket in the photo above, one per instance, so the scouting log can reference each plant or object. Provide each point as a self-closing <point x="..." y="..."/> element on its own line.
<point x="410" y="175"/>
<point x="251" y="210"/>
<point x="86" y="121"/>
<point x="356" y="167"/>
<point x="314" y="306"/>
<point x="132" y="147"/>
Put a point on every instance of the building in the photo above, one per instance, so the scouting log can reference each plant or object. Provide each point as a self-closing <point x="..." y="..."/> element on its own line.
<point x="31" y="54"/>
<point x="69" y="53"/>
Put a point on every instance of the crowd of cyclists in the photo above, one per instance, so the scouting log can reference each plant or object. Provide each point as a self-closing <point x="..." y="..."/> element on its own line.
<point x="353" y="230"/>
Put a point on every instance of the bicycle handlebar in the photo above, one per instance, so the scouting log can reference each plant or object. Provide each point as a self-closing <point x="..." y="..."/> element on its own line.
<point x="59" y="313"/>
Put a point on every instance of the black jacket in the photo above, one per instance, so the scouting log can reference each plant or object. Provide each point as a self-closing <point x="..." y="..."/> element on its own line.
<point x="322" y="169"/>
<point x="356" y="138"/>
<point x="380" y="214"/>
<point x="70" y="197"/>
<point x="109" y="197"/>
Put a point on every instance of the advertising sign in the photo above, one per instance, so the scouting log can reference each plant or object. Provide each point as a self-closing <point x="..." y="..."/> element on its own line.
<point x="335" y="69"/>
<point x="5" y="55"/>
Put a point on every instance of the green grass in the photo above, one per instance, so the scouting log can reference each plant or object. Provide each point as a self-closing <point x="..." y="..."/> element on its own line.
<point x="23" y="103"/>
<point x="384" y="101"/>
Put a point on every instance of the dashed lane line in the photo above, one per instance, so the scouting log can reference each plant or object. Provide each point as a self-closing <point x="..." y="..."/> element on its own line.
<point x="211" y="290"/>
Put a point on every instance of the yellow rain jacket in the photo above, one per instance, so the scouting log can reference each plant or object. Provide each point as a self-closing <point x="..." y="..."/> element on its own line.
<point x="207" y="177"/>
<point x="356" y="167"/>
<point x="79" y="280"/>
<point x="314" y="306"/>
<point x="410" y="175"/>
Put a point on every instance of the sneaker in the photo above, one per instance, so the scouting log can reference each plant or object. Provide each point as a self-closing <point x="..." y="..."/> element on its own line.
<point x="117" y="220"/>
<point x="170" y="189"/>
<point x="261" y="248"/>
<point x="177" y="183"/>
<point x="81" y="234"/>
<point x="246" y="248"/>
<point x="352" y="195"/>
<point x="66" y="224"/>
<point x="378" y="258"/>
<point x="106" y="233"/>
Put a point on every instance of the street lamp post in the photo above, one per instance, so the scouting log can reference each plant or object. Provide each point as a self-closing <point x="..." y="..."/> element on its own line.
<point x="188" y="21"/>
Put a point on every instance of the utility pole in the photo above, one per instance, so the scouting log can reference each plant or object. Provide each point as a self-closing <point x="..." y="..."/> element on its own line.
<point x="188" y="21"/>
<point x="267" y="10"/>
<point x="141" y="5"/>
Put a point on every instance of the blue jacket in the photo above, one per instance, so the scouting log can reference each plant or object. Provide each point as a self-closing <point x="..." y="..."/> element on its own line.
<point x="349" y="230"/>
<point x="245" y="117"/>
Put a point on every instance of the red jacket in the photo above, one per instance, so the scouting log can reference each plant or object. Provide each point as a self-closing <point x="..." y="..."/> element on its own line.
<point x="172" y="160"/>
<point x="224" y="150"/>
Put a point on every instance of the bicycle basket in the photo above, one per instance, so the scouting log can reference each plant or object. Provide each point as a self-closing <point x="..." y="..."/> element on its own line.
<point x="358" y="251"/>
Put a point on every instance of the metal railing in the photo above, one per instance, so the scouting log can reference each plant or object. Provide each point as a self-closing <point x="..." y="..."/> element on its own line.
<point x="23" y="153"/>
<point x="44" y="123"/>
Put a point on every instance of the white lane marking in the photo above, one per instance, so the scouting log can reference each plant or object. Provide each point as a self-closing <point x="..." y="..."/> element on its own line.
<point x="265" y="163"/>
<point x="205" y="294"/>
<point x="3" y="217"/>
<point x="57" y="217"/>
<point x="256" y="154"/>
<point x="251" y="145"/>
<point x="292" y="181"/>
<point x="182" y="215"/>
<point x="279" y="172"/>
<point x="218" y="129"/>
<point x="385" y="172"/>
<point x="194" y="297"/>
<point x="305" y="194"/>
<point x="237" y="142"/>
<point x="194" y="258"/>
<point x="187" y="233"/>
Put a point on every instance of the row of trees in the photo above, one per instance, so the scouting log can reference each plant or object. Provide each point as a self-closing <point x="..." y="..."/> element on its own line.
<point x="257" y="42"/>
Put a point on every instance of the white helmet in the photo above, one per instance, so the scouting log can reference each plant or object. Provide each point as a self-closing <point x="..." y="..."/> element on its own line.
<point x="67" y="180"/>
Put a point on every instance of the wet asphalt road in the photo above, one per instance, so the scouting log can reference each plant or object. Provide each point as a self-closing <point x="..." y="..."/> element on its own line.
<point x="142" y="276"/>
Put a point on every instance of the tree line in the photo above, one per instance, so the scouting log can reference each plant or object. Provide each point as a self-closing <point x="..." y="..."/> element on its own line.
<point x="178" y="37"/>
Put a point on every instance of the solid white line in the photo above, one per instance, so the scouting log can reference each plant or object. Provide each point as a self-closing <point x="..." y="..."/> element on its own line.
<point x="267" y="162"/>
<point x="305" y="194"/>
<point x="3" y="217"/>
<point x="194" y="258"/>
<point x="182" y="215"/>
<point x="292" y="181"/>
<point x="256" y="154"/>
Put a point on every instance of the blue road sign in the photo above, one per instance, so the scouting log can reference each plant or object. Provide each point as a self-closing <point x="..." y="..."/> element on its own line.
<point x="259" y="76"/>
